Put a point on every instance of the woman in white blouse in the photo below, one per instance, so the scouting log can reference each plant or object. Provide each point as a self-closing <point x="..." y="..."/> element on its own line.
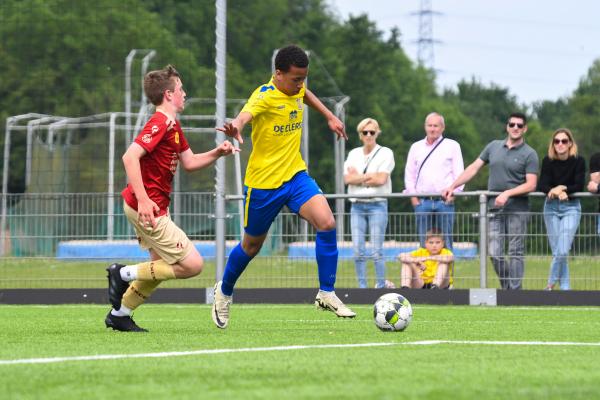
<point x="367" y="172"/>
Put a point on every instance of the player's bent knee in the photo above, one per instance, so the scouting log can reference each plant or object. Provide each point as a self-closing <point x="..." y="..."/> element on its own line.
<point x="190" y="266"/>
<point x="326" y="225"/>
<point x="252" y="250"/>
<point x="192" y="270"/>
<point x="197" y="268"/>
<point x="251" y="247"/>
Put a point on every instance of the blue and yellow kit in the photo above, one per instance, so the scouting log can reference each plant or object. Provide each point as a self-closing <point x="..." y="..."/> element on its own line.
<point x="276" y="136"/>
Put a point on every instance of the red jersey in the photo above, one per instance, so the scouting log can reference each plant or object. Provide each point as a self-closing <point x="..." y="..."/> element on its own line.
<point x="163" y="140"/>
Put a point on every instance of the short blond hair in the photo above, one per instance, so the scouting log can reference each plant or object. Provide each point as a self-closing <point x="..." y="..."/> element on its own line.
<point x="361" y="125"/>
<point x="572" y="150"/>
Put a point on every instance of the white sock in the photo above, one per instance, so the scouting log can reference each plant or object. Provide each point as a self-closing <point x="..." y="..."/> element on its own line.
<point x="121" y="312"/>
<point x="129" y="273"/>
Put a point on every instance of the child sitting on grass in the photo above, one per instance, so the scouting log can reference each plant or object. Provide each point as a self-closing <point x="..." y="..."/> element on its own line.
<point x="429" y="267"/>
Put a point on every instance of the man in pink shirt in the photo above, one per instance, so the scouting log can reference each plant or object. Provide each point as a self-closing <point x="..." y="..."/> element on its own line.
<point x="433" y="163"/>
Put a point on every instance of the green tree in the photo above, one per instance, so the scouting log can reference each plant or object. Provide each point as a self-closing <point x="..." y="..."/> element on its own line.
<point x="584" y="111"/>
<point x="70" y="61"/>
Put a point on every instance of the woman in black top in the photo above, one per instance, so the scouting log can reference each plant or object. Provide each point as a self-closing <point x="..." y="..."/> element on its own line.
<point x="563" y="173"/>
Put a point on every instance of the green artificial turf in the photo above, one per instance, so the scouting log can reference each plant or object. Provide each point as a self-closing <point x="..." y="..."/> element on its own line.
<point x="268" y="272"/>
<point x="404" y="368"/>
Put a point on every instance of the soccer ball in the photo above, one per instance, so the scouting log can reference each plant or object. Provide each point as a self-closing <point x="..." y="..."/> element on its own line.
<point x="392" y="312"/>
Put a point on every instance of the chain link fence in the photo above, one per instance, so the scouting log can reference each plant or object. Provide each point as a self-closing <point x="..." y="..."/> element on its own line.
<point x="62" y="240"/>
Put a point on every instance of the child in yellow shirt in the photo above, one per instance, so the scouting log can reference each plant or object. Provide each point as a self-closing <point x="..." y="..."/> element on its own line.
<point x="429" y="267"/>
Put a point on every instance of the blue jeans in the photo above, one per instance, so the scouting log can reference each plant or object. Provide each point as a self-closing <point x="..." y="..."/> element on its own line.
<point x="562" y="219"/>
<point x="512" y="226"/>
<point x="373" y="216"/>
<point x="435" y="213"/>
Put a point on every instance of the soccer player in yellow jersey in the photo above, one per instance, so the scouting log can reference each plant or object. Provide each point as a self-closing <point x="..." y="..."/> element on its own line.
<point x="276" y="176"/>
<point x="428" y="267"/>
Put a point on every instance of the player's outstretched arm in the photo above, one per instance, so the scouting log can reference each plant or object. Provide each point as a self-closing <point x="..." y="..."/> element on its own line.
<point x="466" y="176"/>
<point x="334" y="122"/>
<point x="193" y="162"/>
<point x="234" y="128"/>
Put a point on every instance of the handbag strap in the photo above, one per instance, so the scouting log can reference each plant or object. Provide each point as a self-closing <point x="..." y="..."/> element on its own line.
<point x="423" y="163"/>
<point x="371" y="159"/>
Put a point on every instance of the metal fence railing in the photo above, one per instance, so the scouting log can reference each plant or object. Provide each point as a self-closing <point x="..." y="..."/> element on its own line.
<point x="66" y="240"/>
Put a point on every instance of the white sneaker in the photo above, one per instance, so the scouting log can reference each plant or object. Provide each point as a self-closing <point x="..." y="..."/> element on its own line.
<point x="220" y="308"/>
<point x="389" y="285"/>
<point x="328" y="301"/>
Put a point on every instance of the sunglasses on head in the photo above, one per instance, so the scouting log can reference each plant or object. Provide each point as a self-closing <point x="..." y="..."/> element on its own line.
<point x="372" y="133"/>
<point x="563" y="141"/>
<point x="513" y="124"/>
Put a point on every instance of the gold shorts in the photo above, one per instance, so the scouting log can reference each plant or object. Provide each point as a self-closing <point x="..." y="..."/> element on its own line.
<point x="166" y="239"/>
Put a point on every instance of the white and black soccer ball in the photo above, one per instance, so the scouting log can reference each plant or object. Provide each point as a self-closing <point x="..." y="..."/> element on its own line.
<point x="392" y="312"/>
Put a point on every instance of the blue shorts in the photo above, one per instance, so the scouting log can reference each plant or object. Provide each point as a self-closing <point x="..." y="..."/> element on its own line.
<point x="261" y="206"/>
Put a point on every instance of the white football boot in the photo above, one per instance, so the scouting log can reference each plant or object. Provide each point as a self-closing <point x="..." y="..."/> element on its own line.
<point x="220" y="308"/>
<point x="328" y="301"/>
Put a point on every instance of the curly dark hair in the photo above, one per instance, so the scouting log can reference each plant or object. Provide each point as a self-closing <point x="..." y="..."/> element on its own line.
<point x="290" y="55"/>
<point x="156" y="82"/>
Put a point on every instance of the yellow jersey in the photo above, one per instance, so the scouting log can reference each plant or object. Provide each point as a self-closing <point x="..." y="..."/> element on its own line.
<point x="430" y="265"/>
<point x="276" y="133"/>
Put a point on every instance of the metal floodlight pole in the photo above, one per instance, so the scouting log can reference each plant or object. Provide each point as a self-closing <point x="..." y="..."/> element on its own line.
<point x="305" y="125"/>
<point x="110" y="203"/>
<point x="9" y="122"/>
<point x="220" y="114"/>
<point x="128" y="62"/>
<point x="339" y="155"/>
<point x="145" y="63"/>
<point x="483" y="240"/>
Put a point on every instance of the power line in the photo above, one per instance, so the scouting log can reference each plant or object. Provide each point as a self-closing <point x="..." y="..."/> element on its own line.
<point x="520" y="21"/>
<point x="529" y="79"/>
<point x="519" y="49"/>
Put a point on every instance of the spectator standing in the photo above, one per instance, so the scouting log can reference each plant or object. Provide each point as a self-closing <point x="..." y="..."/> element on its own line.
<point x="433" y="163"/>
<point x="367" y="172"/>
<point x="563" y="173"/>
<point x="513" y="172"/>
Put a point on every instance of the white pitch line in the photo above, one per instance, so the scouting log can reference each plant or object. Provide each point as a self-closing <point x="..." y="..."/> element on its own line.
<point x="99" y="357"/>
<point x="502" y="343"/>
<point x="185" y="353"/>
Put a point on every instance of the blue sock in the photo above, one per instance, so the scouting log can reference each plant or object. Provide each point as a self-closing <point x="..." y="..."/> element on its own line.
<point x="327" y="257"/>
<point x="236" y="264"/>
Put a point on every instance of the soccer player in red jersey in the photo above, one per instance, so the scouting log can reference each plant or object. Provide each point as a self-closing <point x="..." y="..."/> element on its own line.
<point x="150" y="163"/>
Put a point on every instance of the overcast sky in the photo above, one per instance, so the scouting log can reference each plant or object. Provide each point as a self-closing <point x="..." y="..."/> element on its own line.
<point x="539" y="49"/>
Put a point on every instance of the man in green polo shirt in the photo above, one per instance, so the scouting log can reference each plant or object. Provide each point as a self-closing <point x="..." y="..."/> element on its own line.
<point x="513" y="173"/>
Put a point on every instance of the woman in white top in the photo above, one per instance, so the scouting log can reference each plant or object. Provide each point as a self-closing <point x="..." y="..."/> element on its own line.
<point x="367" y="172"/>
